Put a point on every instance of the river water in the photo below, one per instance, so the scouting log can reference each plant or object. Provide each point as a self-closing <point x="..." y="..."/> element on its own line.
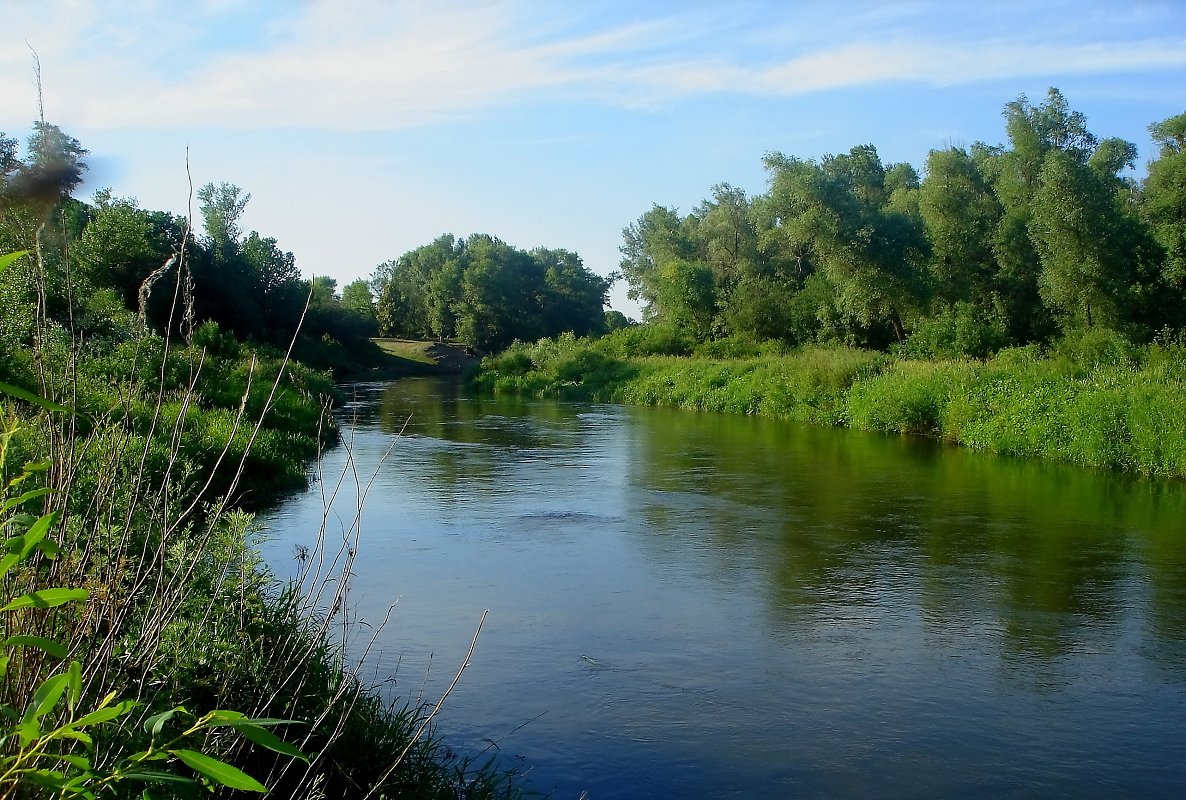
<point x="690" y="605"/>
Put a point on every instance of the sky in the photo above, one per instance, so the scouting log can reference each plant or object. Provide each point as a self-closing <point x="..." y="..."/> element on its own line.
<point x="365" y="128"/>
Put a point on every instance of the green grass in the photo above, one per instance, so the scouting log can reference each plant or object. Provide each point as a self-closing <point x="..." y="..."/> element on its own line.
<point x="160" y="443"/>
<point x="1093" y="400"/>
<point x="407" y="349"/>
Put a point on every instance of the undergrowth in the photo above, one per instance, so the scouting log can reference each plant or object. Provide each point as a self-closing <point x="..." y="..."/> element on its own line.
<point x="1093" y="398"/>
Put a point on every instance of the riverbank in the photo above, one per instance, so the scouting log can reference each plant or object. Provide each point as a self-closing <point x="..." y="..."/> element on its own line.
<point x="416" y="357"/>
<point x="1093" y="400"/>
<point x="139" y="466"/>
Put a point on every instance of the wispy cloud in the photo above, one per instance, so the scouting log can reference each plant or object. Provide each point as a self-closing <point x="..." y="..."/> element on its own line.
<point x="363" y="64"/>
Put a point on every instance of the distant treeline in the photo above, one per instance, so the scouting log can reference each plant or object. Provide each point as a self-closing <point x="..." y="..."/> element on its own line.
<point x="486" y="293"/>
<point x="995" y="246"/>
<point x="109" y="262"/>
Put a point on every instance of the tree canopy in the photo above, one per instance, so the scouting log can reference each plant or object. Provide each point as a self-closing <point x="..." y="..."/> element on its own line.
<point x="1042" y="235"/>
<point x="486" y="293"/>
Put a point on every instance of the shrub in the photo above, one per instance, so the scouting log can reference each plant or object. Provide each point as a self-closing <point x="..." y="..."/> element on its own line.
<point x="959" y="331"/>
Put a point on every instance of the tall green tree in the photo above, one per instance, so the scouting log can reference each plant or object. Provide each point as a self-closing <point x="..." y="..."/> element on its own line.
<point x="572" y="299"/>
<point x="871" y="253"/>
<point x="1086" y="266"/>
<point x="961" y="215"/>
<point x="1164" y="201"/>
<point x="655" y="240"/>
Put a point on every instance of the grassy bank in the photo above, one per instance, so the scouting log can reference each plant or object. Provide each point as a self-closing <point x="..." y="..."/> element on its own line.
<point x="131" y="458"/>
<point x="1093" y="399"/>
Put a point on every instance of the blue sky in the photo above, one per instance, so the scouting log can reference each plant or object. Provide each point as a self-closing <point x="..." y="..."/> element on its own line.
<point x="365" y="128"/>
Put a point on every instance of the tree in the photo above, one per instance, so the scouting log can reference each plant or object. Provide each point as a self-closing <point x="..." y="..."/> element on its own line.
<point x="1016" y="173"/>
<point x="500" y="298"/>
<point x="415" y="294"/>
<point x="1070" y="225"/>
<point x="271" y="276"/>
<point x="358" y="308"/>
<point x="687" y="297"/>
<point x="725" y="236"/>
<point x="572" y="299"/>
<point x="116" y="249"/>
<point x="357" y="299"/>
<point x="1164" y="201"/>
<point x="837" y="214"/>
<point x="232" y="281"/>
<point x="221" y="208"/>
<point x="961" y="214"/>
<point x="656" y="238"/>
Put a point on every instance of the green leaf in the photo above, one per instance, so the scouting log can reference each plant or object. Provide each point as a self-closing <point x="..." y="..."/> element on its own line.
<point x="45" y="777"/>
<point x="49" y="548"/>
<point x="8" y="259"/>
<point x="28" y="731"/>
<point x="75" y="673"/>
<point x="157" y="776"/>
<point x="46" y="598"/>
<point x="55" y="649"/>
<point x="30" y="397"/>
<point x="218" y="771"/>
<point x="37" y="531"/>
<point x="265" y="721"/>
<point x="33" y="494"/>
<point x="46" y="697"/>
<point x="79" y="736"/>
<point x="265" y="738"/>
<point x="157" y="721"/>
<point x="78" y="762"/>
<point x="104" y="714"/>
<point x="3" y="666"/>
<point x="8" y="562"/>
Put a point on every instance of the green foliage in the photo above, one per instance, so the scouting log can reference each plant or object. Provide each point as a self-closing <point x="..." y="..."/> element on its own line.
<point x="486" y="294"/>
<point x="51" y="743"/>
<point x="1090" y="350"/>
<point x="1096" y="400"/>
<point x="648" y="340"/>
<point x="908" y="397"/>
<point x="959" y="331"/>
<point x="1040" y="235"/>
<point x="1164" y="200"/>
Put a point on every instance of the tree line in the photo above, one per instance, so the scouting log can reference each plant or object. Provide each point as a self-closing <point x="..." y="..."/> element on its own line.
<point x="127" y="261"/>
<point x="111" y="265"/>
<point x="996" y="245"/>
<point x="486" y="293"/>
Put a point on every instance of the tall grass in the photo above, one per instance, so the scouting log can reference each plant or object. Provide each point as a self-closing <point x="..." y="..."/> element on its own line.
<point x="1093" y="399"/>
<point x="149" y="447"/>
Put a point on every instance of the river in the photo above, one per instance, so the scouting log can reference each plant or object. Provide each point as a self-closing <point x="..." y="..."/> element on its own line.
<point x="689" y="605"/>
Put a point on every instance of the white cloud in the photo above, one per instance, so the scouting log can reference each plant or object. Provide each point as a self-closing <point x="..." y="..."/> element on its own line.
<point x="952" y="64"/>
<point x="364" y="64"/>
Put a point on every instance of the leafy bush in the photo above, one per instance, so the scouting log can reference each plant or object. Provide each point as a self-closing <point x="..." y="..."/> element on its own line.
<point x="958" y="331"/>
<point x="1091" y="349"/>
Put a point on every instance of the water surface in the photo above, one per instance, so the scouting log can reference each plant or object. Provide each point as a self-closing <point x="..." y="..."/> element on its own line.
<point x="701" y="606"/>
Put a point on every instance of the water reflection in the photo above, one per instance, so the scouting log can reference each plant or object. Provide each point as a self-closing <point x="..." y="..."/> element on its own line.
<point x="1041" y="553"/>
